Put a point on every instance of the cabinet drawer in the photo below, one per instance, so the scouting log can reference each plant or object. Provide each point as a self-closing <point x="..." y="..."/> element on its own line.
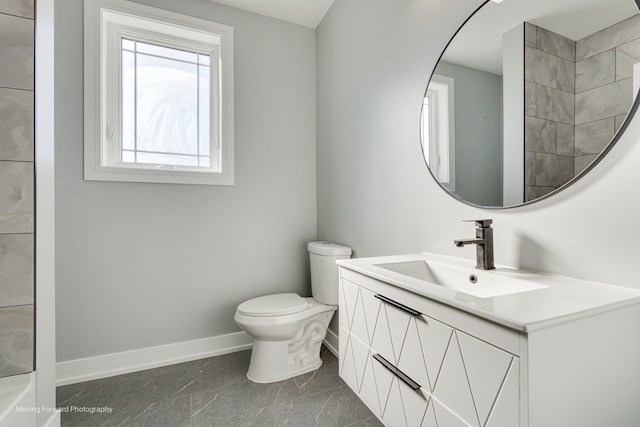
<point x="401" y="401"/>
<point x="354" y="355"/>
<point x="498" y="335"/>
<point x="359" y="310"/>
<point x="477" y="379"/>
<point x="390" y="330"/>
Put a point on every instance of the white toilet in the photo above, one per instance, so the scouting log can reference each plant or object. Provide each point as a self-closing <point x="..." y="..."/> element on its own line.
<point x="289" y="329"/>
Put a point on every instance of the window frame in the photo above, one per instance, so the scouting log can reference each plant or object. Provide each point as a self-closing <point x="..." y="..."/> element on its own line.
<point x="438" y="130"/>
<point x="106" y="22"/>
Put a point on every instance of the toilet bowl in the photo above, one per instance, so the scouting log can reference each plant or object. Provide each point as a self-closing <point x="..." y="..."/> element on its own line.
<point x="286" y="344"/>
<point x="288" y="329"/>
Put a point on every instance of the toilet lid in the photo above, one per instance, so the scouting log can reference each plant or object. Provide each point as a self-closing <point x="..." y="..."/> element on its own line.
<point x="273" y="305"/>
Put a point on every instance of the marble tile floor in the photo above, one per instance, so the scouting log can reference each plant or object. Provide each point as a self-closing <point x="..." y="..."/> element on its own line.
<point x="215" y="392"/>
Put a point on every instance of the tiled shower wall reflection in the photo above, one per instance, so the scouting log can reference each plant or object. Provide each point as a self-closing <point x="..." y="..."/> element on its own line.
<point x="549" y="110"/>
<point x="16" y="186"/>
<point x="577" y="95"/>
<point x="604" y="86"/>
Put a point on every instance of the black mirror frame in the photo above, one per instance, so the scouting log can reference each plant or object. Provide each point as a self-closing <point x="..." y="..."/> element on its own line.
<point x="590" y="166"/>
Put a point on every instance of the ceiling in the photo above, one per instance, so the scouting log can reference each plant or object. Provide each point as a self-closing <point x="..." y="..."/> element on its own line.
<point x="479" y="43"/>
<point x="303" y="12"/>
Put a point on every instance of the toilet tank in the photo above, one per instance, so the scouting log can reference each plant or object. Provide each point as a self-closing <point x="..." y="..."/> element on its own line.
<point x="324" y="270"/>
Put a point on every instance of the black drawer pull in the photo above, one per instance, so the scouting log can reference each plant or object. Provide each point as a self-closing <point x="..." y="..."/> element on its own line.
<point x="397" y="372"/>
<point x="396" y="304"/>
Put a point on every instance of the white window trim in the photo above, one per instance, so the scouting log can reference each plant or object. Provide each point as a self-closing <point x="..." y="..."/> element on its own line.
<point x="440" y="151"/>
<point x="98" y="162"/>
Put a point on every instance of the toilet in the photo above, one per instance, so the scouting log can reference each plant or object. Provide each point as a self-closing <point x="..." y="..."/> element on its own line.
<point x="289" y="329"/>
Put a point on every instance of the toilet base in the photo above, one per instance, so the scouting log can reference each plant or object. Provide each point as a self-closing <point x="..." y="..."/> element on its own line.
<point x="273" y="361"/>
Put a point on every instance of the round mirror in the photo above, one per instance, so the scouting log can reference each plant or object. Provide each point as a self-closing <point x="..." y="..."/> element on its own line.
<point x="528" y="96"/>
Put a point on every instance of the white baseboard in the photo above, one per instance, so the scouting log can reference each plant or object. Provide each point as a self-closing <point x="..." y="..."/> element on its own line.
<point x="109" y="365"/>
<point x="332" y="341"/>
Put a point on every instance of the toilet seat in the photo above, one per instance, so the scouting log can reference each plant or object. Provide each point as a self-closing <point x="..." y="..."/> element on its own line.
<point x="273" y="305"/>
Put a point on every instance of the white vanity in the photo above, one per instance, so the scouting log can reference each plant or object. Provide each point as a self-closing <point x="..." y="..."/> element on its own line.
<point x="428" y="340"/>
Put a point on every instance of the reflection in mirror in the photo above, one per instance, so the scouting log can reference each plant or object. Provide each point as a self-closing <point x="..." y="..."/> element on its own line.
<point x="438" y="130"/>
<point x="541" y="88"/>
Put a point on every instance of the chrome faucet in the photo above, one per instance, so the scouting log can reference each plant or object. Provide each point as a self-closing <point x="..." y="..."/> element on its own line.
<point x="483" y="242"/>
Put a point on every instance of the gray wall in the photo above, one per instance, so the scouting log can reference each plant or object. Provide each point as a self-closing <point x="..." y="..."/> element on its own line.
<point x="478" y="133"/>
<point x="16" y="187"/>
<point x="140" y="265"/>
<point x="374" y="193"/>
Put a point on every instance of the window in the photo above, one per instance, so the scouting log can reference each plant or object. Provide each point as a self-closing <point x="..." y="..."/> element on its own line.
<point x="438" y="139"/>
<point x="158" y="96"/>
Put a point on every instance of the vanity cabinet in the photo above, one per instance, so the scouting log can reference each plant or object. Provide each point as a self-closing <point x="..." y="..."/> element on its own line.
<point x="418" y="362"/>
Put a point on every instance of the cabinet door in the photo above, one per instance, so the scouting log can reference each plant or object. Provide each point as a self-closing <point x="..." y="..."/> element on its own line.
<point x="358" y="311"/>
<point x="438" y="415"/>
<point x="425" y="346"/>
<point x="353" y="360"/>
<point x="506" y="411"/>
<point x="390" y="330"/>
<point x="401" y="405"/>
<point x="474" y="378"/>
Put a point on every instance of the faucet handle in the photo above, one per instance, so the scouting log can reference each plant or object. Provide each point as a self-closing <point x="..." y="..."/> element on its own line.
<point x="481" y="223"/>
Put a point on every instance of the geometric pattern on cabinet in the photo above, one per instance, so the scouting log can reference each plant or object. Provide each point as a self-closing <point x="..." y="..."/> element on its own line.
<point x="390" y="331"/>
<point x="487" y="368"/>
<point x="506" y="409"/>
<point x="360" y="311"/>
<point x="453" y="389"/>
<point x="465" y="382"/>
<point x="369" y="389"/>
<point x="426" y="345"/>
<point x="430" y="416"/>
<point x="480" y="383"/>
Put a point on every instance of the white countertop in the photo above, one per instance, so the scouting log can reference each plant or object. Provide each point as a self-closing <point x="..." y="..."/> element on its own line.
<point x="562" y="299"/>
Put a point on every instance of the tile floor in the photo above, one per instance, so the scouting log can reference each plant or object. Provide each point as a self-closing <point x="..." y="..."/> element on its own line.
<point x="215" y="392"/>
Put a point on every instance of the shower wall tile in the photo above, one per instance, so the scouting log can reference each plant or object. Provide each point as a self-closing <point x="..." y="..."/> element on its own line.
<point x="566" y="75"/>
<point x="533" y="192"/>
<point x="16" y="340"/>
<point x="530" y="35"/>
<point x="540" y="135"/>
<point x="17" y="287"/>
<point x="587" y="100"/>
<point x="16" y="269"/>
<point x="604" y="102"/>
<point x="16" y="125"/>
<point x="591" y="138"/>
<point x="530" y="168"/>
<point x="540" y="67"/>
<point x="16" y="197"/>
<point x="565" y="140"/>
<point x="16" y="52"/>
<point x="581" y="162"/>
<point x="615" y="35"/>
<point x="530" y="193"/>
<point x="596" y="71"/>
<point x="627" y="55"/>
<point x="555" y="44"/>
<point x="22" y="8"/>
<point x="549" y="110"/>
<point x="619" y="120"/>
<point x="554" y="104"/>
<point x="553" y="170"/>
<point x="530" y="99"/>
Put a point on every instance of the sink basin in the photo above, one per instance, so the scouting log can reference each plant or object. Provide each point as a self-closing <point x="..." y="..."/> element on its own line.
<point x="479" y="283"/>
